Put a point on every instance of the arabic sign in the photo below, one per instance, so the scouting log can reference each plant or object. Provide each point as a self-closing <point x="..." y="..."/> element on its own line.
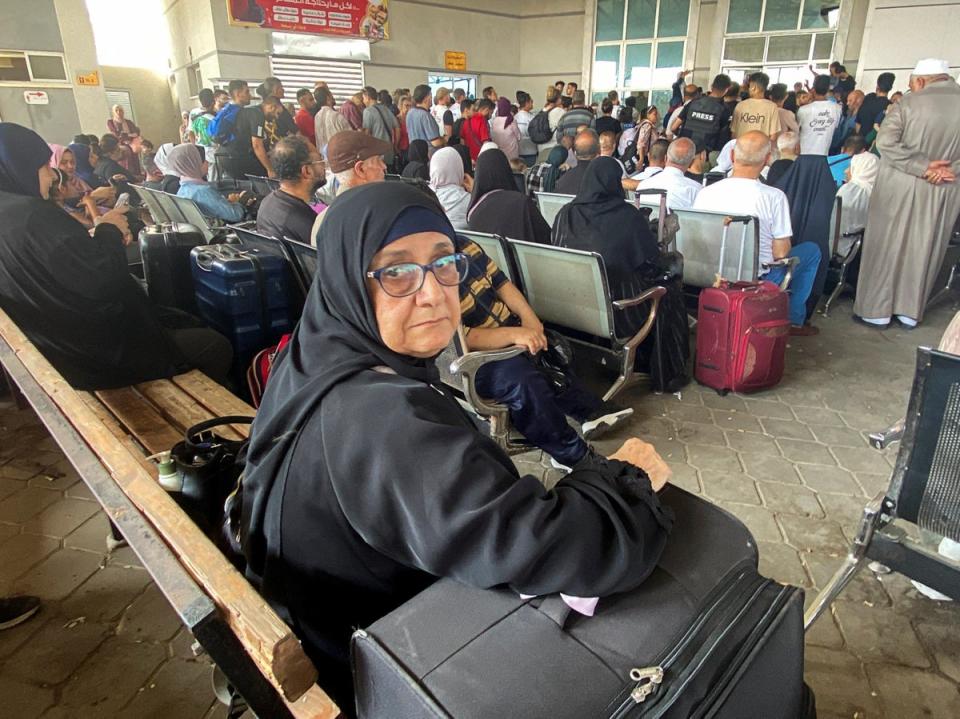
<point x="36" y="97"/>
<point x="92" y="78"/>
<point x="453" y="60"/>
<point x="349" y="18"/>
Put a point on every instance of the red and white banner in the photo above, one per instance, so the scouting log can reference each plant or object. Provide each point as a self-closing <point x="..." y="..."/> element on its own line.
<point x="346" y="18"/>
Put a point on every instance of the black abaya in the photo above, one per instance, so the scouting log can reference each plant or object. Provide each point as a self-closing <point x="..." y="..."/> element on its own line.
<point x="811" y="190"/>
<point x="498" y="208"/>
<point x="366" y="481"/>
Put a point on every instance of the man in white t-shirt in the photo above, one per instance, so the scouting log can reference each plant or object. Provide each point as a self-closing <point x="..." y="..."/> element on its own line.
<point x="818" y="120"/>
<point x="681" y="190"/>
<point x="657" y="159"/>
<point x="743" y="194"/>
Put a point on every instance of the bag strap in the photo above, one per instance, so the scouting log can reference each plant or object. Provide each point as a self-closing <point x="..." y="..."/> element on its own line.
<point x="196" y="430"/>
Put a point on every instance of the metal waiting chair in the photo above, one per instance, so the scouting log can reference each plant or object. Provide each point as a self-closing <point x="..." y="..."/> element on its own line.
<point x="924" y="489"/>
<point x="497" y="248"/>
<point x="568" y="289"/>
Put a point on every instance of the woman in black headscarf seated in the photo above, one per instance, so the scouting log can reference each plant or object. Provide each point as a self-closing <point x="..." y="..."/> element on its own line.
<point x="71" y="292"/>
<point x="365" y="481"/>
<point x="599" y="220"/>
<point x="498" y="208"/>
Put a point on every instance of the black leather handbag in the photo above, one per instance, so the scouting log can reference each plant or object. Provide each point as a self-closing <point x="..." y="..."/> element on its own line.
<point x="704" y="636"/>
<point x="209" y="467"/>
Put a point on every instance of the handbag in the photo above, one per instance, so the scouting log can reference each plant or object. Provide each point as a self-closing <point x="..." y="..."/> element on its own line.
<point x="209" y="466"/>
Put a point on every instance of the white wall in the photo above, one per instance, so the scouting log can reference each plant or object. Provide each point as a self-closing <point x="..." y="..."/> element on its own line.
<point x="897" y="33"/>
<point x="81" y="56"/>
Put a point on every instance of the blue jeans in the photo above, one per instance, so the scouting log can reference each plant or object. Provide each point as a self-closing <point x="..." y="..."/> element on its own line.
<point x="536" y="410"/>
<point x="802" y="282"/>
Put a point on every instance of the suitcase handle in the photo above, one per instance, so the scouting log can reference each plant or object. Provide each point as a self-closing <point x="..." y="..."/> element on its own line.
<point x="205" y="260"/>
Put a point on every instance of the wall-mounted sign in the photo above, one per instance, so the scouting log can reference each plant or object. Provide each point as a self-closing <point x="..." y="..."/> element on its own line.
<point x="453" y="60"/>
<point x="36" y="97"/>
<point x="350" y="18"/>
<point x="92" y="78"/>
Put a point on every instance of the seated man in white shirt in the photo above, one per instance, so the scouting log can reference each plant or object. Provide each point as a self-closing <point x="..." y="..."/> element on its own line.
<point x="743" y="194"/>
<point x="681" y="190"/>
<point x="657" y="159"/>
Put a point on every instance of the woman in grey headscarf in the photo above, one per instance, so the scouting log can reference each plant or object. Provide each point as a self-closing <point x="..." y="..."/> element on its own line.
<point x="189" y="163"/>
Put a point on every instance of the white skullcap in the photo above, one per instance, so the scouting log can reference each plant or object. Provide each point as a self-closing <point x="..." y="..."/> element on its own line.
<point x="931" y="66"/>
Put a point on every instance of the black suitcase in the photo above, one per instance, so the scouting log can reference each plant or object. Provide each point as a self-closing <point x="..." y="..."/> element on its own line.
<point x="165" y="250"/>
<point x="704" y="636"/>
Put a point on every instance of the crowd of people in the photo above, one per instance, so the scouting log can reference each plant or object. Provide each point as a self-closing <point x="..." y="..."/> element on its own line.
<point x="390" y="297"/>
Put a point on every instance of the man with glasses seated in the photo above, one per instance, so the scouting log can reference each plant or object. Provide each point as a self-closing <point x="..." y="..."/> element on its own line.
<point x="496" y="315"/>
<point x="288" y="211"/>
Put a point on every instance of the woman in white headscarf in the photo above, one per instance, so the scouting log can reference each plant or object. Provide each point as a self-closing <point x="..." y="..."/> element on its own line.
<point x="189" y="163"/>
<point x="855" y="193"/>
<point x="447" y="182"/>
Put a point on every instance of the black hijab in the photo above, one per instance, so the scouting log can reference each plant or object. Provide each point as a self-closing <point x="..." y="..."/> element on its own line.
<point x="22" y="153"/>
<point x="496" y="206"/>
<point x="465" y="158"/>
<point x="337" y="337"/>
<point x="493" y="173"/>
<point x="598" y="220"/>
<point x="417" y="166"/>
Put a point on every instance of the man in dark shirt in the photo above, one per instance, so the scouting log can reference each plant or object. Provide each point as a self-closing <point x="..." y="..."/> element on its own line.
<point x="586" y="147"/>
<point x="245" y="153"/>
<point x="608" y="123"/>
<point x="286" y="212"/>
<point x="285" y="122"/>
<point x="706" y="120"/>
<point x="875" y="103"/>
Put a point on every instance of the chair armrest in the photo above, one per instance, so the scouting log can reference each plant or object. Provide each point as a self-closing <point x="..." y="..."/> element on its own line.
<point x="466" y="367"/>
<point x="884" y="438"/>
<point x="470" y="362"/>
<point x="745" y="219"/>
<point x="790" y="263"/>
<point x="854" y="233"/>
<point x="653" y="295"/>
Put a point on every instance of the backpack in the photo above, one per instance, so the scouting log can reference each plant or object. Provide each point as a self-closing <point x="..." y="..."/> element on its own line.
<point x="222" y="126"/>
<point x="703" y="123"/>
<point x="539" y="128"/>
<point x="259" y="371"/>
<point x="542" y="178"/>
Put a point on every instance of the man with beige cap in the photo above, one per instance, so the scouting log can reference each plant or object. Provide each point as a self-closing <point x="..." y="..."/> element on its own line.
<point x="355" y="159"/>
<point x="915" y="201"/>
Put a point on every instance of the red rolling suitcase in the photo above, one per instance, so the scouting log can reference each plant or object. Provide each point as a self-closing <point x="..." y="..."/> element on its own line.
<point x="742" y="331"/>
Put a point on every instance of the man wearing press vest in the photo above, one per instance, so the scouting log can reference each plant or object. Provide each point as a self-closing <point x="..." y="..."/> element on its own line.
<point x="706" y="120"/>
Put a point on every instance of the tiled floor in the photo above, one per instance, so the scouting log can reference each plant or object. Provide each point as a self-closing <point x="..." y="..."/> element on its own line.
<point x="792" y="463"/>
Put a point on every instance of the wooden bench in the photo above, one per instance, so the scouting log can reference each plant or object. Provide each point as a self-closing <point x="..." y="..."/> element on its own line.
<point x="107" y="436"/>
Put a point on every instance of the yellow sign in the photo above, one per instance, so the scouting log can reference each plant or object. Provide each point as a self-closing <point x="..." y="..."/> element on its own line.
<point x="453" y="60"/>
<point x="91" y="79"/>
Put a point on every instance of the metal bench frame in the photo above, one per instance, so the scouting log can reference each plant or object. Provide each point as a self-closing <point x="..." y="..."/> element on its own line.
<point x="881" y="535"/>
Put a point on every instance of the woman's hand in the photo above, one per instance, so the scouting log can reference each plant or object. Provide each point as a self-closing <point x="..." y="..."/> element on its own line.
<point x="535" y="341"/>
<point x="643" y="455"/>
<point x="468" y="183"/>
<point x="118" y="218"/>
<point x="104" y="195"/>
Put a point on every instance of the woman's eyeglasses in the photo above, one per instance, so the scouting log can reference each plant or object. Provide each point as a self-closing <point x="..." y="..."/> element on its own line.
<point x="408" y="277"/>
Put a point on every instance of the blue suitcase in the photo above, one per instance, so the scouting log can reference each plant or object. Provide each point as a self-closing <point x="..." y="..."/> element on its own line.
<point x="244" y="294"/>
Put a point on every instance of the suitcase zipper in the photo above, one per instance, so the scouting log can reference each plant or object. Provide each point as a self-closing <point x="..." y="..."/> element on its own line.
<point x="647" y="680"/>
<point x="745" y="650"/>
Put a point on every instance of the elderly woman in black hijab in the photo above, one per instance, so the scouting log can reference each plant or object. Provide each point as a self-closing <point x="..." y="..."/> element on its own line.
<point x="71" y="293"/>
<point x="497" y="207"/>
<point x="365" y="480"/>
<point x="599" y="220"/>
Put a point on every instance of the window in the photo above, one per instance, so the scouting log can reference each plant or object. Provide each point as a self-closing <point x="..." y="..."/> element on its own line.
<point x="194" y="80"/>
<point x="639" y="48"/>
<point x="780" y="37"/>
<point x="467" y="83"/>
<point x="32" y="67"/>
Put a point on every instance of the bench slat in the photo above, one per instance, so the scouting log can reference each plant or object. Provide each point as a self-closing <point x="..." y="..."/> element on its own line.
<point x="140" y="418"/>
<point x="215" y="398"/>
<point x="180" y="409"/>
<point x="270" y="642"/>
<point x="110" y="422"/>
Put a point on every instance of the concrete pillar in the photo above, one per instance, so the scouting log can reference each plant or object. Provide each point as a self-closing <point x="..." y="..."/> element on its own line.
<point x="80" y="53"/>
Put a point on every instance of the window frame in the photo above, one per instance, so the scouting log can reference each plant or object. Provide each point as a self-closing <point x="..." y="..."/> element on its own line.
<point x="33" y="81"/>
<point x="654" y="43"/>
